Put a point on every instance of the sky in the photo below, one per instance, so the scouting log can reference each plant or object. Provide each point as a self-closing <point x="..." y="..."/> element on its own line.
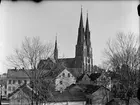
<point x="45" y="19"/>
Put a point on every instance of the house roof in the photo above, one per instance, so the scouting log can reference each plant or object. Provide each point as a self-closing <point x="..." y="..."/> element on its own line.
<point x="92" y="76"/>
<point x="47" y="64"/>
<point x="16" y="74"/>
<point x="67" y="95"/>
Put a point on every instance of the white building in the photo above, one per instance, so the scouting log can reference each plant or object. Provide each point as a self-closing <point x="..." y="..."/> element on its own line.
<point x="16" y="78"/>
<point x="3" y="85"/>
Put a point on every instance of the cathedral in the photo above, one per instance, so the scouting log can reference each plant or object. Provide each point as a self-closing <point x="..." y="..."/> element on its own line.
<point x="83" y="59"/>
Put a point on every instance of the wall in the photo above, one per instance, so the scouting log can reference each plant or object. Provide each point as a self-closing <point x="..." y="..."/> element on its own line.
<point x="15" y="85"/>
<point x="63" y="80"/>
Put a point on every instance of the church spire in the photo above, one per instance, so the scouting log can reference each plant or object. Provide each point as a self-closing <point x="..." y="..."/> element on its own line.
<point x="81" y="20"/>
<point x="80" y="30"/>
<point x="87" y="24"/>
<point x="87" y="32"/>
<point x="56" y="50"/>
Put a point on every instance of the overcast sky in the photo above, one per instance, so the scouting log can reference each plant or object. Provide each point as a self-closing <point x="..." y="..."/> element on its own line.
<point x="106" y="19"/>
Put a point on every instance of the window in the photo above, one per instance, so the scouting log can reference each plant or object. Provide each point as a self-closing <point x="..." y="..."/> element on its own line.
<point x="14" y="81"/>
<point x="61" y="82"/>
<point x="9" y="81"/>
<point x="14" y="89"/>
<point x="19" y="81"/>
<point x="5" y="86"/>
<point x="9" y="88"/>
<point x="63" y="74"/>
<point x="5" y="92"/>
<point x="25" y="81"/>
<point x="68" y="74"/>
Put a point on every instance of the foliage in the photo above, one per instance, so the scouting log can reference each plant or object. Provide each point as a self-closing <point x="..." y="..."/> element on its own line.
<point x="30" y="53"/>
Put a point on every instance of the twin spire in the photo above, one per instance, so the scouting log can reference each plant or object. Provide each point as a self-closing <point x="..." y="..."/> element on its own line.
<point x="83" y="34"/>
<point x="81" y="21"/>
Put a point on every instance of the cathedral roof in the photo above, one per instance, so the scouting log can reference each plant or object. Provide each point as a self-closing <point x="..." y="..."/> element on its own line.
<point x="68" y="62"/>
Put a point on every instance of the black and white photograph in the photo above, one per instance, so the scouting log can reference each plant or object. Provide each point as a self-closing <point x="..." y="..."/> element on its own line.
<point x="70" y="52"/>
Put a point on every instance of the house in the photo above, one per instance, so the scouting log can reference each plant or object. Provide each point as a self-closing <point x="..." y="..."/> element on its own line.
<point x="96" y="95"/>
<point x="16" y="78"/>
<point x="23" y="95"/>
<point x="62" y="77"/>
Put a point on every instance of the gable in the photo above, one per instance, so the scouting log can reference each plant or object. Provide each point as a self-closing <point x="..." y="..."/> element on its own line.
<point x="18" y="95"/>
<point x="65" y="73"/>
<point x="46" y="64"/>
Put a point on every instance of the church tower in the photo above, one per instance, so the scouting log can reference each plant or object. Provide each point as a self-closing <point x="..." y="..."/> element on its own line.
<point x="89" y="60"/>
<point x="56" y="50"/>
<point x="83" y="48"/>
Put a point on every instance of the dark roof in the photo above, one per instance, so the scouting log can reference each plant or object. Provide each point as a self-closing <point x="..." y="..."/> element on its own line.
<point x="112" y="102"/>
<point x="46" y="64"/>
<point x="92" y="76"/>
<point x="67" y="95"/>
<point x="76" y="72"/>
<point x="16" y="74"/>
<point x="91" y="89"/>
<point x="68" y="62"/>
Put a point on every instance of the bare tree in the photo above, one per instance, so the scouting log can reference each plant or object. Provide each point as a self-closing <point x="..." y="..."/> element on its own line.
<point x="30" y="53"/>
<point x="122" y="57"/>
<point x="122" y="50"/>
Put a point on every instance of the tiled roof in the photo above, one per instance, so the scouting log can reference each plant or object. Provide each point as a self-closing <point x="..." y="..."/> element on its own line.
<point x="66" y="96"/>
<point x="14" y="73"/>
